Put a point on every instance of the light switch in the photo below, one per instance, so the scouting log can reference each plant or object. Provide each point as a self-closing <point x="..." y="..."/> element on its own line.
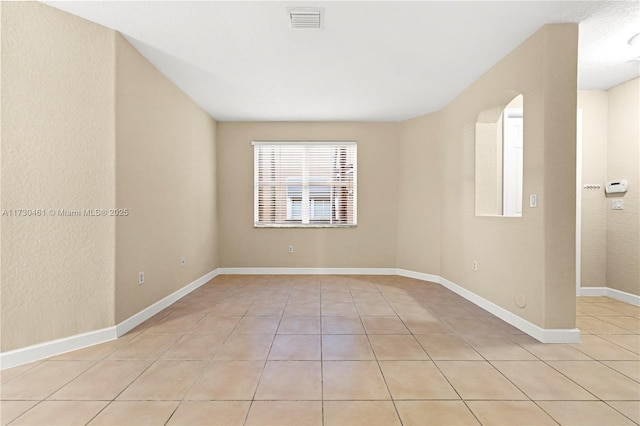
<point x="533" y="200"/>
<point x="617" y="205"/>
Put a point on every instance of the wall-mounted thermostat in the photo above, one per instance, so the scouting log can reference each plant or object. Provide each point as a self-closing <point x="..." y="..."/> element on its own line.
<point x="618" y="186"/>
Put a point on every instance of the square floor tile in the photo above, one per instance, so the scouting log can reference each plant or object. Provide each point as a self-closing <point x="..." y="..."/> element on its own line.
<point x="509" y="413"/>
<point x="44" y="379"/>
<point x="227" y="380"/>
<point x="11" y="373"/>
<point x="346" y="347"/>
<point x="368" y="297"/>
<point x="174" y="325"/>
<point x="499" y="348"/>
<point x="478" y="380"/>
<point x="631" y="409"/>
<point x="540" y="382"/>
<point x="384" y="325"/>
<point x="294" y="347"/>
<point x="285" y="413"/>
<point x="435" y="413"/>
<point x="67" y="413"/>
<point x="397" y="347"/>
<point x="135" y="413"/>
<point x="366" y="309"/>
<point x="234" y="309"/>
<point x="299" y="325"/>
<point x="213" y="413"/>
<point x="302" y="310"/>
<point x="362" y="413"/>
<point x="215" y="325"/>
<point x="9" y="410"/>
<point x="145" y="346"/>
<point x="246" y="347"/>
<point x="103" y="381"/>
<point x="584" y="413"/>
<point x="338" y="309"/>
<point x="353" y="380"/>
<point x="257" y="325"/>
<point x="195" y="347"/>
<point x="550" y="351"/>
<point x="164" y="380"/>
<point x="630" y="369"/>
<point x="600" y="380"/>
<point x="630" y="342"/>
<point x="424" y="325"/>
<point x="603" y="350"/>
<point x="266" y="310"/>
<point x="416" y="380"/>
<point x="446" y="347"/>
<point x="290" y="380"/>
<point x="342" y="325"/>
<point x="344" y="297"/>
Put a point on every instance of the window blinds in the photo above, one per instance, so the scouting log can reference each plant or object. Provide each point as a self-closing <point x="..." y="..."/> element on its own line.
<point x="305" y="184"/>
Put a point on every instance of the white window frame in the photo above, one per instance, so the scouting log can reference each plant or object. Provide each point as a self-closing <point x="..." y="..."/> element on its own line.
<point x="308" y="219"/>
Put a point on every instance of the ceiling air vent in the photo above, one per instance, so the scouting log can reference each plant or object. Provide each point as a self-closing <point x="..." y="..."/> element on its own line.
<point x="306" y="18"/>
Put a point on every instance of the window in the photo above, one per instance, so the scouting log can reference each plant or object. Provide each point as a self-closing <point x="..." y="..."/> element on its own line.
<point x="305" y="184"/>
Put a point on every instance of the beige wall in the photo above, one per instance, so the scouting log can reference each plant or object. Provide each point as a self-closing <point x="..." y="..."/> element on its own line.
<point x="531" y="257"/>
<point x="371" y="244"/>
<point x="58" y="152"/>
<point x="419" y="192"/>
<point x="623" y="162"/>
<point x="166" y="177"/>
<point x="594" y="106"/>
<point x="88" y="123"/>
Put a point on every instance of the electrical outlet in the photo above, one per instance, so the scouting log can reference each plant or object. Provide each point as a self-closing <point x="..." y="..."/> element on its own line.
<point x="290" y="248"/>
<point x="474" y="265"/>
<point x="140" y="278"/>
<point x="617" y="204"/>
<point x="182" y="261"/>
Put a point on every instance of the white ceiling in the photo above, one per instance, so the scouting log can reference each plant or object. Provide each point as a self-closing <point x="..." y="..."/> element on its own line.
<point x="374" y="61"/>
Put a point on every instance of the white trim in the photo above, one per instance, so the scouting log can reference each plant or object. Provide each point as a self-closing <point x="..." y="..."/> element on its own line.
<point x="137" y="319"/>
<point x="544" y="335"/>
<point x="308" y="271"/>
<point x="55" y="347"/>
<point x="419" y="275"/>
<point x="620" y="295"/>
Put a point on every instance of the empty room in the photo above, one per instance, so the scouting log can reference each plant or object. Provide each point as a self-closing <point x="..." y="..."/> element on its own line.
<point x="320" y="213"/>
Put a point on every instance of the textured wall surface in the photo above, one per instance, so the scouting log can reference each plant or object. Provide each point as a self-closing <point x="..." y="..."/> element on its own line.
<point x="593" y="267"/>
<point x="419" y="191"/>
<point x="58" y="153"/>
<point x="528" y="258"/>
<point x="166" y="177"/>
<point x="623" y="162"/>
<point x="371" y="244"/>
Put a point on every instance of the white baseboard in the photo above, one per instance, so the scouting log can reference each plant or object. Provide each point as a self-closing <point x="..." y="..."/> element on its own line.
<point x="57" y="347"/>
<point x="622" y="296"/>
<point x="544" y="335"/>
<point x="307" y="271"/>
<point x="137" y="319"/>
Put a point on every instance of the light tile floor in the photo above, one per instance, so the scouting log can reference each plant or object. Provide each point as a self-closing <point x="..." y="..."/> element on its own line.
<point x="336" y="350"/>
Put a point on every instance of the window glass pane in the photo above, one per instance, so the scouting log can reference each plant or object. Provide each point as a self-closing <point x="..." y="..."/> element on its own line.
<point x="306" y="183"/>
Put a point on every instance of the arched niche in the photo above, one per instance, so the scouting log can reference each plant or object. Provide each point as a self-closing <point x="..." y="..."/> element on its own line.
<point x="499" y="158"/>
